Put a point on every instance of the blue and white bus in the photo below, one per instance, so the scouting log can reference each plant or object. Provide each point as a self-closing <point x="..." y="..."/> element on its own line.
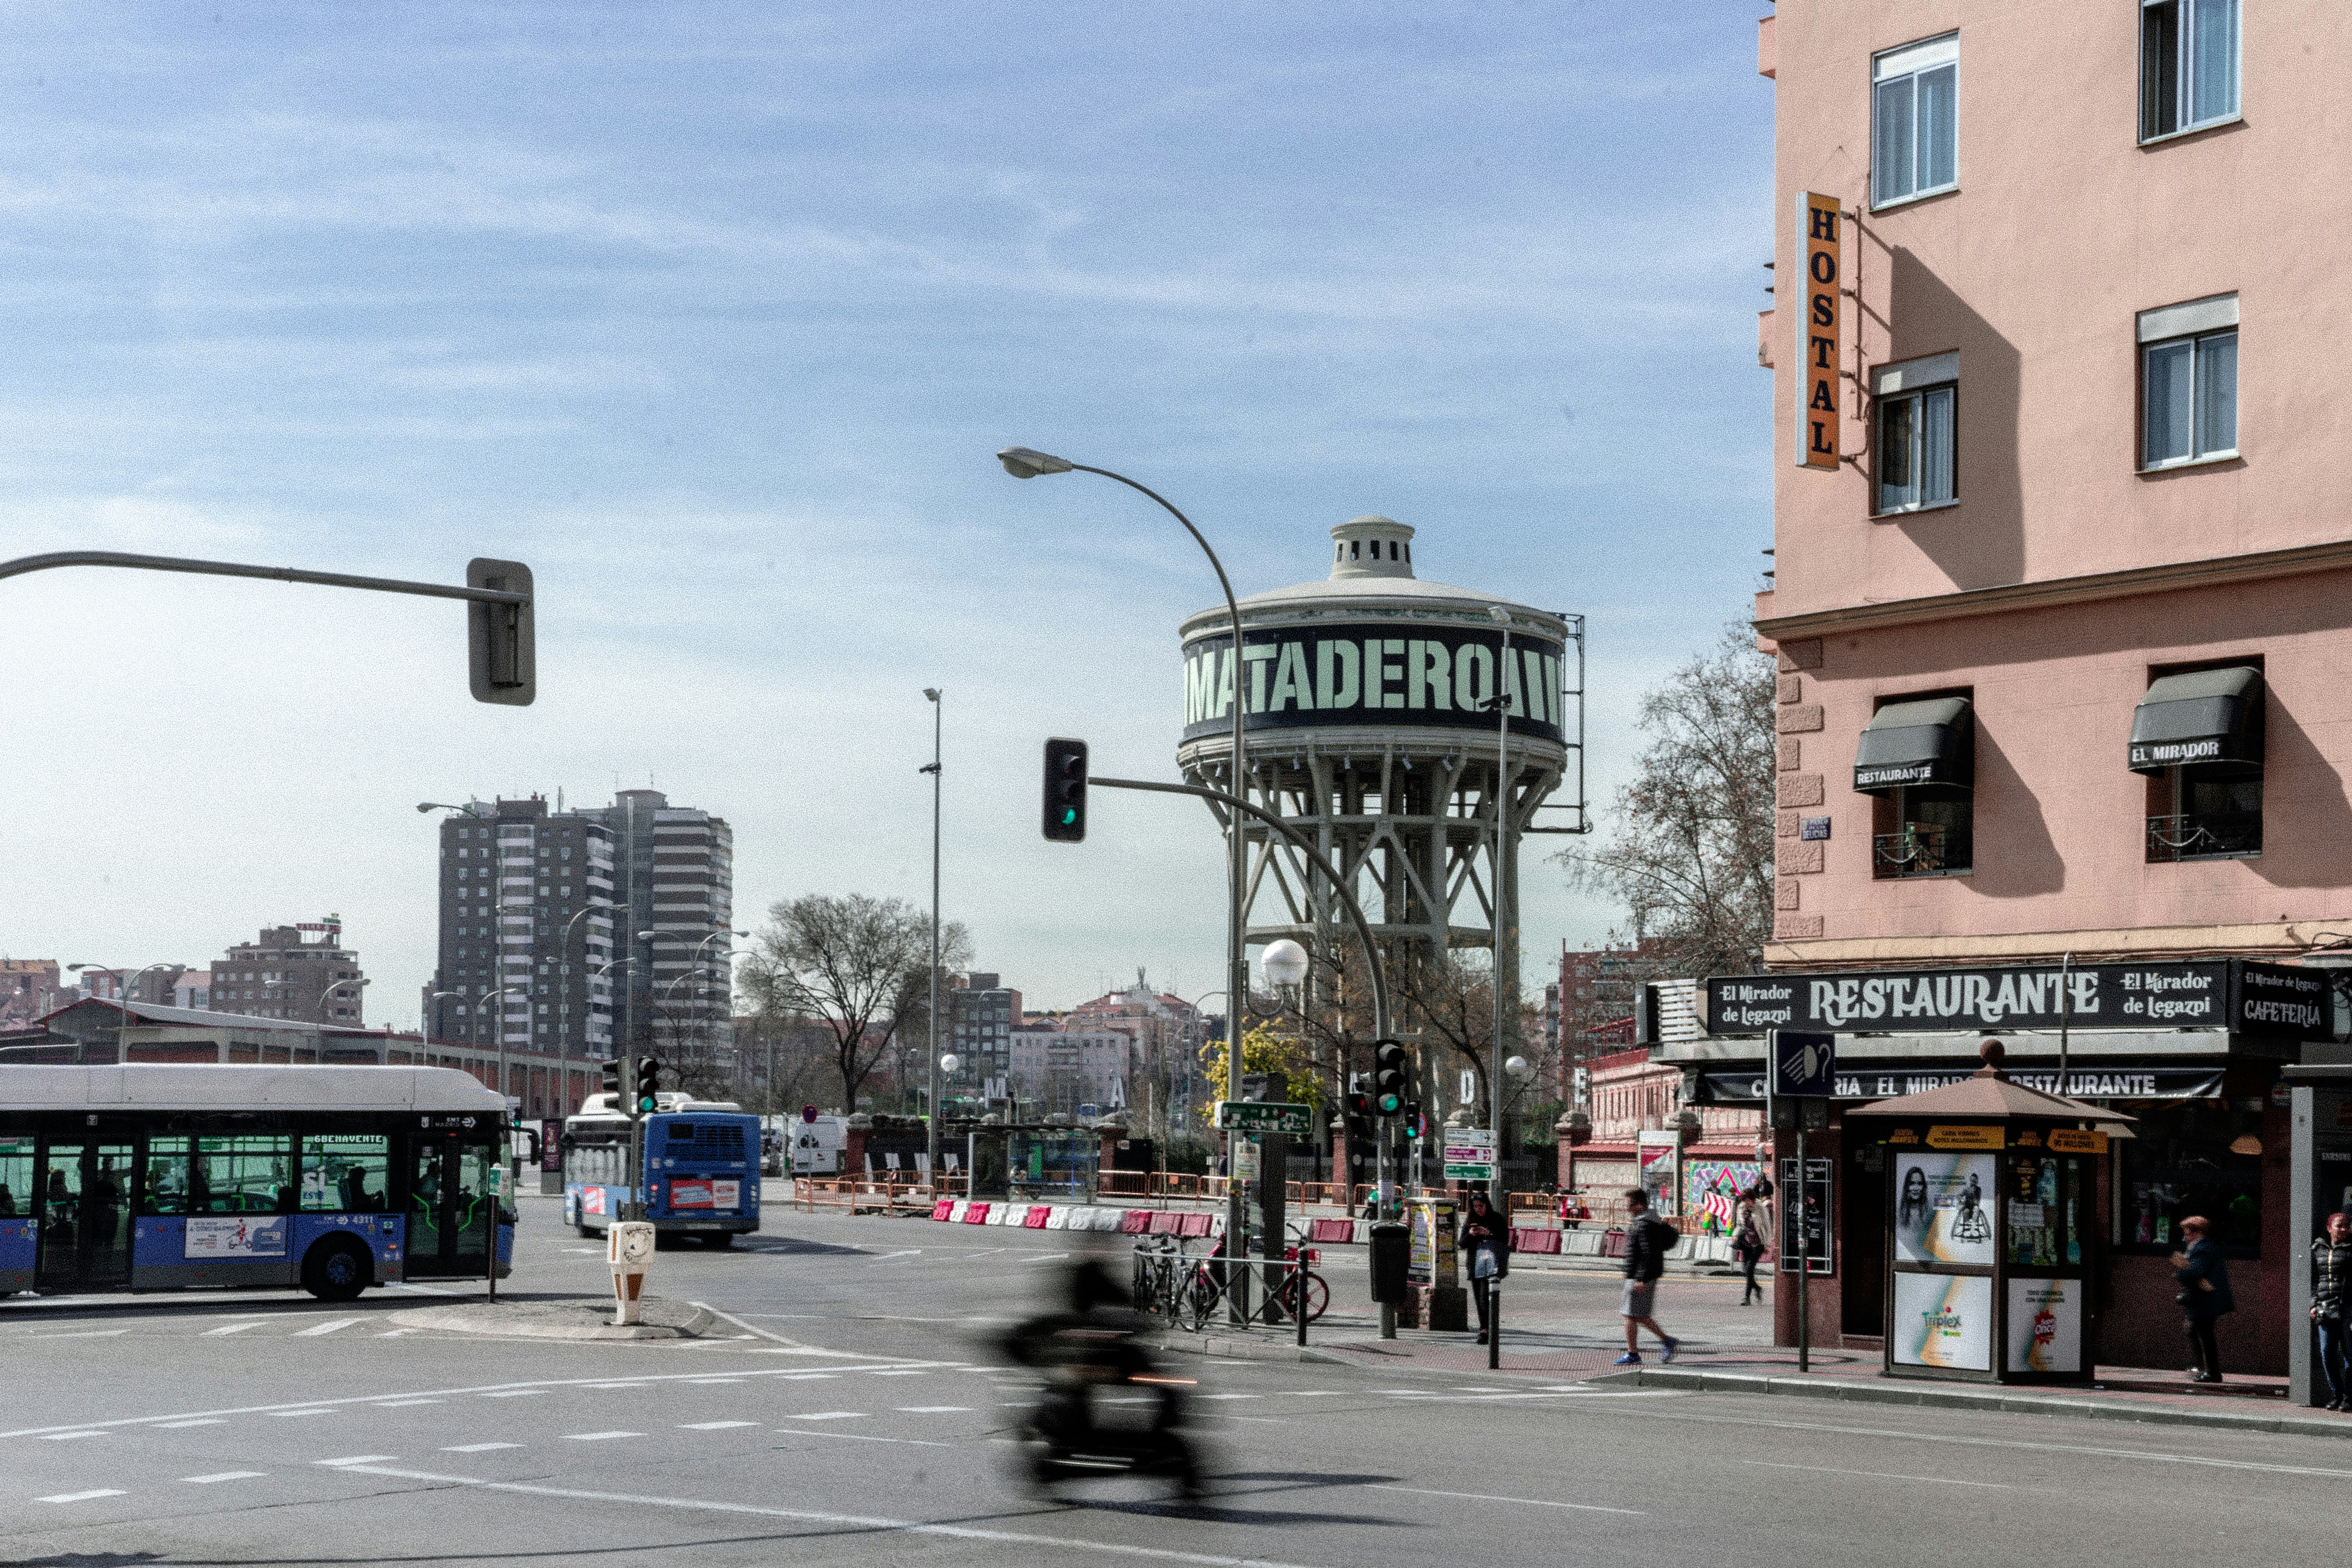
<point x="155" y="1177"/>
<point x="702" y="1168"/>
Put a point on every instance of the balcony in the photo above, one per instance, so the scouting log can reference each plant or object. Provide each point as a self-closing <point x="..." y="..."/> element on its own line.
<point x="1921" y="849"/>
<point x="2205" y="835"/>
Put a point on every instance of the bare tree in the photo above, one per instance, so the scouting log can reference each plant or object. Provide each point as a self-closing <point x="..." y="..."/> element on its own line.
<point x="1689" y="848"/>
<point x="859" y="965"/>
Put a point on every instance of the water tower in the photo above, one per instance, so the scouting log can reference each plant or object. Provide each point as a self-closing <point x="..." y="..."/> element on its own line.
<point x="1370" y="727"/>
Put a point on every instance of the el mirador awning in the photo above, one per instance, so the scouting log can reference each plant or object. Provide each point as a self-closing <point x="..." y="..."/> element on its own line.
<point x="2205" y="716"/>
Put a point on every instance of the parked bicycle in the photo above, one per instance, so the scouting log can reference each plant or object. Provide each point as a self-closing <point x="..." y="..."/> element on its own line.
<point x="1187" y="1292"/>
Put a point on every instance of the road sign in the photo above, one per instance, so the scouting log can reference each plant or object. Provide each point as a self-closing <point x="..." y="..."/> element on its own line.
<point x="1264" y="1116"/>
<point x="1804" y="1065"/>
<point x="808" y="1113"/>
<point x="1469" y="1154"/>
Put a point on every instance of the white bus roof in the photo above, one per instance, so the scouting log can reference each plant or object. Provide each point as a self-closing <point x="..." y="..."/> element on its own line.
<point x="167" y="1087"/>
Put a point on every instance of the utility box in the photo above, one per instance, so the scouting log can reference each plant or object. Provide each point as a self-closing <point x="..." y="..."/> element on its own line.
<point x="1392" y="1255"/>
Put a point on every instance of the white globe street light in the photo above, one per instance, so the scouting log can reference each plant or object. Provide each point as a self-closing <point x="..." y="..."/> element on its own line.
<point x="1283" y="963"/>
<point x="950" y="1062"/>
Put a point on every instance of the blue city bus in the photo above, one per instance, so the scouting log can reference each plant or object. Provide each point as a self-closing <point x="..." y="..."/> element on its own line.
<point x="156" y="1177"/>
<point x="702" y="1168"/>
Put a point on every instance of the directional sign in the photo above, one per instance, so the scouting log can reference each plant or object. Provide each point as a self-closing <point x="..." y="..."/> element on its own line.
<point x="1264" y="1116"/>
<point x="1469" y="1154"/>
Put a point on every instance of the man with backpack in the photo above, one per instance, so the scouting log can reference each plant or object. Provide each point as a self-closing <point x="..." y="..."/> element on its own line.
<point x="1647" y="1240"/>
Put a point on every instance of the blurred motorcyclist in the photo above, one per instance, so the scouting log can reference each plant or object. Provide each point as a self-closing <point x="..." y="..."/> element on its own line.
<point x="1092" y="1340"/>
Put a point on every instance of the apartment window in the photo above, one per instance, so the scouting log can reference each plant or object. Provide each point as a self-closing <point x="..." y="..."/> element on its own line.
<point x="2188" y="65"/>
<point x="2197" y="736"/>
<point x="2188" y="381"/>
<point x="1915" y="121"/>
<point x="1917" y="757"/>
<point x="1917" y="403"/>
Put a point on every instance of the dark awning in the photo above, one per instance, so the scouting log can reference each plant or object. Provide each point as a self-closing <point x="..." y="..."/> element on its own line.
<point x="1932" y="742"/>
<point x="2205" y="716"/>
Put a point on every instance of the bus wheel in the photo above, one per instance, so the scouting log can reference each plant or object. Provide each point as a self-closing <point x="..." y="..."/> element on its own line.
<point x="719" y="1239"/>
<point x="337" y="1271"/>
<point x="588" y="1233"/>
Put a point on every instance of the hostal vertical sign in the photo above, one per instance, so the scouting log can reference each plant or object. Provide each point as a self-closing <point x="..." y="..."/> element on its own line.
<point x="1823" y="264"/>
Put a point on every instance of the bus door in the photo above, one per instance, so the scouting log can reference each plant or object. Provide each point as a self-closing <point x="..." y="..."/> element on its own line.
<point x="85" y="1210"/>
<point x="450" y="1205"/>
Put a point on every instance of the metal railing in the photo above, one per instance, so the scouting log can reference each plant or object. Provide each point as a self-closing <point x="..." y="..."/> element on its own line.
<point x="1920" y="850"/>
<point x="2196" y="835"/>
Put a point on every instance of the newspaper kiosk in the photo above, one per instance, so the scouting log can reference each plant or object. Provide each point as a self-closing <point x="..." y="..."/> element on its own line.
<point x="1994" y="1229"/>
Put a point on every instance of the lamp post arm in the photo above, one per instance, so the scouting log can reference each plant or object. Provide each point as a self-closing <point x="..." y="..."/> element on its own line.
<point x="1355" y="911"/>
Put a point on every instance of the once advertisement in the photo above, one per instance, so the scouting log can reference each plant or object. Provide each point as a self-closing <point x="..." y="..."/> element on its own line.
<point x="1944" y="1321"/>
<point x="2045" y="1325"/>
<point x="691" y="1193"/>
<point x="1367" y="674"/>
<point x="2249" y="998"/>
<point x="243" y="1235"/>
<point x="1943" y="1207"/>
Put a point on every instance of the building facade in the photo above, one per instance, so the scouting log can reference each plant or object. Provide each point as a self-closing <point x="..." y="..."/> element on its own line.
<point x="586" y="930"/>
<point x="29" y="988"/>
<point x="980" y="1013"/>
<point x="299" y="972"/>
<point x="2060" y="613"/>
<point x="1070" y="1072"/>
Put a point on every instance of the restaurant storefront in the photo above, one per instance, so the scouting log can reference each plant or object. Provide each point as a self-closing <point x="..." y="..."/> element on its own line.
<point x="2191" y="1050"/>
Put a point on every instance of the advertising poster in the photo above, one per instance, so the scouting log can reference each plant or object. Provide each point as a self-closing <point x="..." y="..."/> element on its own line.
<point x="2045" y="1325"/>
<point x="1943" y="1207"/>
<point x="241" y="1235"/>
<point x="1661" y="1158"/>
<point x="1941" y="1321"/>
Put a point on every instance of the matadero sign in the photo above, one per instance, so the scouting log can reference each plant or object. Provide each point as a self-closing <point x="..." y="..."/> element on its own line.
<point x="2238" y="995"/>
<point x="1365" y="674"/>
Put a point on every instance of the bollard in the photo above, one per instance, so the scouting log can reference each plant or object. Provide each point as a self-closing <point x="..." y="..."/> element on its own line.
<point x="629" y="1248"/>
<point x="1298" y="1301"/>
<point x="1494" y="1324"/>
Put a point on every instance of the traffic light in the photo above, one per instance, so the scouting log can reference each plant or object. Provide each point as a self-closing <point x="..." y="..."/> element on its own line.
<point x="648" y="1084"/>
<point x="612" y="1072"/>
<point x="1389" y="1076"/>
<point x="1065" y="791"/>
<point x="499" y="638"/>
<point x="1359" y="1107"/>
<point x="1412" y="1127"/>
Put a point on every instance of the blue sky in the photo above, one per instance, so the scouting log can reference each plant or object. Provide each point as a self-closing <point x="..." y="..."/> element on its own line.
<point x="715" y="314"/>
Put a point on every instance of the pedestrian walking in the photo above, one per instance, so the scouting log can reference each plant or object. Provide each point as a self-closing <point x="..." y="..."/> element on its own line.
<point x="1486" y="1242"/>
<point x="1647" y="1240"/>
<point x="1747" y="1246"/>
<point x="2331" y="1293"/>
<point x="2204" y="1295"/>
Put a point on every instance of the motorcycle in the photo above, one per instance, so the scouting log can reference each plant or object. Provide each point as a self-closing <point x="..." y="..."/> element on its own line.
<point x="1085" y="1359"/>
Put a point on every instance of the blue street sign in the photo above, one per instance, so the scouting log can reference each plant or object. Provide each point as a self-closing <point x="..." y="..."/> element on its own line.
<point x="1804" y="1065"/>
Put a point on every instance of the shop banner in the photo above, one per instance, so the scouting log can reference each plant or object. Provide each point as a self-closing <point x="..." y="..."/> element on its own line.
<point x="1941" y="1210"/>
<point x="2265" y="999"/>
<point x="1944" y="1321"/>
<point x="2045" y="1325"/>
<point x="2101" y="1081"/>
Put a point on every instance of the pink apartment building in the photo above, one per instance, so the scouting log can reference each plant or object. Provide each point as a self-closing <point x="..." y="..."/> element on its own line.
<point x="2064" y="595"/>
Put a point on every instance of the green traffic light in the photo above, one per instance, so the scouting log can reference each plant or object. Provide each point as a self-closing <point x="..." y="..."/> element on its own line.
<point x="1069" y="814"/>
<point x="1391" y="1104"/>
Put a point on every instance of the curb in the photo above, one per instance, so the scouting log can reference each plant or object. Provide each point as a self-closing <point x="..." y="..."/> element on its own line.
<point x="1240" y="1348"/>
<point x="1905" y="1392"/>
<point x="483" y="1317"/>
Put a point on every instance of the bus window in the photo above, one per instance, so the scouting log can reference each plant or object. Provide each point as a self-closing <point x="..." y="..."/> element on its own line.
<point x="246" y="1175"/>
<point x="16" y="1176"/>
<point x="343" y="1174"/>
<point x="170" y="1168"/>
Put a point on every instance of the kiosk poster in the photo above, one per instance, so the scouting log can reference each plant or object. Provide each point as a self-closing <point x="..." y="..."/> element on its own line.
<point x="1943" y="1207"/>
<point x="1661" y="1157"/>
<point x="2045" y="1325"/>
<point x="1944" y="1321"/>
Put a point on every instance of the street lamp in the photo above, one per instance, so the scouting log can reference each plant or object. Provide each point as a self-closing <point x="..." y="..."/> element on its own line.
<point x="932" y="1122"/>
<point x="126" y="984"/>
<point x="319" y="1029"/>
<point x="1502" y="618"/>
<point x="1026" y="463"/>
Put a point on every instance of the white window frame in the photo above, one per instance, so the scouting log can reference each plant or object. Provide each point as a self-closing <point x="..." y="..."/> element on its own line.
<point x="2195" y="323"/>
<point x="2185" y="70"/>
<point x="1910" y="379"/>
<point x="1906" y="63"/>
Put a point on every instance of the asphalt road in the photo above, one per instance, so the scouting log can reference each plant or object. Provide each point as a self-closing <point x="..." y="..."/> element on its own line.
<point x="861" y="1418"/>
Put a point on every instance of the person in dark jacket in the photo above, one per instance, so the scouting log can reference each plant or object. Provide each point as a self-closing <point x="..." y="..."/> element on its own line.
<point x="1485" y="1243"/>
<point x="2204" y="1280"/>
<point x="2331" y="1294"/>
<point x="1647" y="1240"/>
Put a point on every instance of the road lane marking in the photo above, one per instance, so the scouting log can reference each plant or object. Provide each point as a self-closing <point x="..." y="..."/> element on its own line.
<point x="597" y="1436"/>
<point x="1233" y="1396"/>
<point x="512" y="1393"/>
<point x="858" y="1521"/>
<point x="934" y="1409"/>
<point x="712" y="1382"/>
<point x="231" y="1329"/>
<point x="478" y="1448"/>
<point x="1046" y="1257"/>
<point x="613" y="1386"/>
<point x="1880" y="1475"/>
<point x="325" y="1328"/>
<point x="81" y="1334"/>
<point x="828" y="1415"/>
<point x="712" y="1426"/>
<point x="283" y="1414"/>
<point x="83" y="1497"/>
<point x="357" y="1459"/>
<point x="861" y="1438"/>
<point x="901" y="1372"/>
<point x="220" y="1476"/>
<point x="1529" y="1501"/>
<point x="404" y="1404"/>
<point x="175" y="1426"/>
<point x="68" y="1436"/>
<point x="902" y="1252"/>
